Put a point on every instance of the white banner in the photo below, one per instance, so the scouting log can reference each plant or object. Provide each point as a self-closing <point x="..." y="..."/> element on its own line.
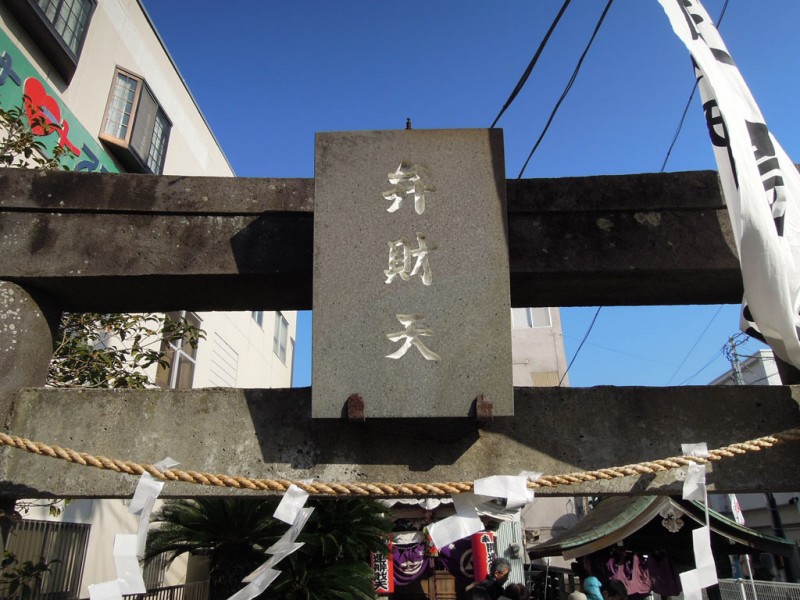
<point x="760" y="183"/>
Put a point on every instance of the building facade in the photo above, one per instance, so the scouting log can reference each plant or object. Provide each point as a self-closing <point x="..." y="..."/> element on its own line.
<point x="539" y="360"/>
<point x="94" y="78"/>
<point x="537" y="348"/>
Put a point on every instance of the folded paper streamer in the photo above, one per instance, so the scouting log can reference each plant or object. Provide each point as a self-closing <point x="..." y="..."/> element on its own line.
<point x="257" y="586"/>
<point x="288" y="538"/>
<point x="705" y="572"/>
<point x="128" y="549"/>
<point x="129" y="573"/>
<point x="290" y="505"/>
<point x="451" y="529"/>
<point x="697" y="450"/>
<point x="290" y="510"/>
<point x="144" y="499"/>
<point x="513" y="488"/>
<point x="694" y="486"/>
<point x="108" y="590"/>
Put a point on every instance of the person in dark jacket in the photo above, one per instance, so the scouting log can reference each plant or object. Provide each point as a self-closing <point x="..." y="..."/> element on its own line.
<point x="496" y="579"/>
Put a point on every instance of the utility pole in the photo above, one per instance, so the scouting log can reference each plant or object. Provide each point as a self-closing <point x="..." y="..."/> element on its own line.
<point x="791" y="563"/>
<point x="733" y="357"/>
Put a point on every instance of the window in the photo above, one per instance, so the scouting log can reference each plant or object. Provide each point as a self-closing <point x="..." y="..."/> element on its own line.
<point x="258" y="317"/>
<point x="181" y="356"/>
<point x="281" y="336"/>
<point x="523" y="318"/>
<point x="135" y="126"/>
<point x="58" y="27"/>
<point x="63" y="545"/>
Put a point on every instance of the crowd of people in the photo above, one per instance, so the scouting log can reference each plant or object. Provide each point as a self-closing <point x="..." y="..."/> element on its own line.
<point x="494" y="587"/>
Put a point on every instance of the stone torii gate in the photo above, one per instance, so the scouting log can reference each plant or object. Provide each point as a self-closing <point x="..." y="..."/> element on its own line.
<point x="129" y="243"/>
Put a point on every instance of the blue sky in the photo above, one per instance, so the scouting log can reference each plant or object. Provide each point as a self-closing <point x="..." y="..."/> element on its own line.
<point x="269" y="75"/>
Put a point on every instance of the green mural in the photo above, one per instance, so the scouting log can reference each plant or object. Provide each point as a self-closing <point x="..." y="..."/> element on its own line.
<point x="22" y="85"/>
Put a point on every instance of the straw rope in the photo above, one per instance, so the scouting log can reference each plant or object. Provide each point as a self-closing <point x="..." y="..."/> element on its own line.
<point x="388" y="489"/>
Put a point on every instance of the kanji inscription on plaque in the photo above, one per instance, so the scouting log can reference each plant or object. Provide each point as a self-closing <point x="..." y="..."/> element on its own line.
<point x="423" y="330"/>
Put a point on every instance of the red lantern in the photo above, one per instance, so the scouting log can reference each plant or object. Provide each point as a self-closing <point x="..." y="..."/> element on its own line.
<point x="484" y="552"/>
<point x="382" y="571"/>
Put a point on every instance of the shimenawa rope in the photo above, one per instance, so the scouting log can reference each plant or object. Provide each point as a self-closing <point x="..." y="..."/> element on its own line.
<point x="388" y="489"/>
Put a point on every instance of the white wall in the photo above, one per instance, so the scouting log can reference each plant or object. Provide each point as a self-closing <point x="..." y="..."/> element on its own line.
<point x="538" y="352"/>
<point x="237" y="352"/>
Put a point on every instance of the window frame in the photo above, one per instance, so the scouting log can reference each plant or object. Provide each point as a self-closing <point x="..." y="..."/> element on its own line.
<point x="43" y="31"/>
<point x="529" y="320"/>
<point x="281" y="330"/>
<point x="178" y="356"/>
<point x="123" y="147"/>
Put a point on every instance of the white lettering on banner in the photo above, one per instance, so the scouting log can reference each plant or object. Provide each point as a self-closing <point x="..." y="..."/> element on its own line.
<point x="759" y="181"/>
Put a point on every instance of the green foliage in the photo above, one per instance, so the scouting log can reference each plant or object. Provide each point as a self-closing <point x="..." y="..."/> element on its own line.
<point x="234" y="533"/>
<point x="93" y="350"/>
<point x="21" y="581"/>
<point x="19" y="147"/>
<point x="112" y="350"/>
<point x="333" y="562"/>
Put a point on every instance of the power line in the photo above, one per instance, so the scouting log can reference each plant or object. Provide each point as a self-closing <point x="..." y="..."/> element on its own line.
<point x="689" y="102"/>
<point x="703" y="368"/>
<point x="653" y="360"/>
<point x="567" y="88"/>
<point x="518" y="88"/>
<point x="585" y="335"/>
<point x="697" y="341"/>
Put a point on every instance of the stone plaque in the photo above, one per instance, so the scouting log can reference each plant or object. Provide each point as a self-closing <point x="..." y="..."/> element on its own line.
<point x="411" y="284"/>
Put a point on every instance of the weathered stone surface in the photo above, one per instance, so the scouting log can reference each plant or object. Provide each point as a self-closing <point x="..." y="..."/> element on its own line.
<point x="270" y="434"/>
<point x="64" y="191"/>
<point x="638" y="239"/>
<point x="27" y="326"/>
<point x="368" y="283"/>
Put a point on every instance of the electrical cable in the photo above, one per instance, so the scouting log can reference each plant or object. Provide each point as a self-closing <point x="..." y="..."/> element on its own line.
<point x="680" y="126"/>
<point x="761" y="356"/>
<point x="759" y="380"/>
<point x="703" y="368"/>
<point x="697" y="341"/>
<point x="689" y="102"/>
<point x="607" y="348"/>
<point x="585" y="336"/>
<point x="567" y="88"/>
<point x="518" y="88"/>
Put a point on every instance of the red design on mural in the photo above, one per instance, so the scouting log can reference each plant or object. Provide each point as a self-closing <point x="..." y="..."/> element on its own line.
<point x="44" y="114"/>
